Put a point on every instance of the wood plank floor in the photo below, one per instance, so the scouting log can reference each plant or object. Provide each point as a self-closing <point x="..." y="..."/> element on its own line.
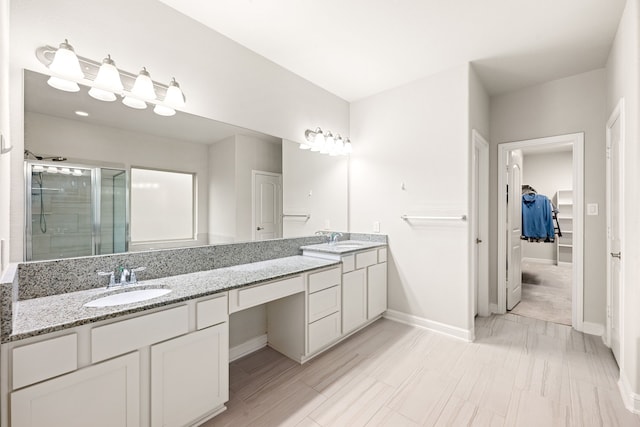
<point x="518" y="372"/>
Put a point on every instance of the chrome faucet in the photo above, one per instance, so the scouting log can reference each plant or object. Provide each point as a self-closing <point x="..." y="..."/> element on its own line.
<point x="127" y="276"/>
<point x="326" y="234"/>
<point x="333" y="237"/>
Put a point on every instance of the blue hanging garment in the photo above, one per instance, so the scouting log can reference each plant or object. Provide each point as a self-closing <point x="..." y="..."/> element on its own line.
<point x="537" y="217"/>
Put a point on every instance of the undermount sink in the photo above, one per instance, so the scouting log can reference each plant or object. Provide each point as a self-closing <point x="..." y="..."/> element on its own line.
<point x="128" y="297"/>
<point x="348" y="245"/>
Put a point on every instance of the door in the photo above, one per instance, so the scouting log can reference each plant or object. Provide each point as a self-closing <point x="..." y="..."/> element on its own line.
<point x="102" y="395"/>
<point x="267" y="201"/>
<point x="514" y="224"/>
<point x="190" y="376"/>
<point x="354" y="300"/>
<point x="614" y="234"/>
<point x="475" y="225"/>
<point x="376" y="290"/>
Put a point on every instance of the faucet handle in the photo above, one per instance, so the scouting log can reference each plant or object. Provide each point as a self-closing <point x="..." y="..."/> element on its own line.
<point x="132" y="274"/>
<point x="111" y="274"/>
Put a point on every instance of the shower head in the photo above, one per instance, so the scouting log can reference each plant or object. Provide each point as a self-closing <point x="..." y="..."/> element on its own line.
<point x="28" y="153"/>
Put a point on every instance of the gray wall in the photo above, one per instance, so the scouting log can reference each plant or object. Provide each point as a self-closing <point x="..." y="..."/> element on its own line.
<point x="569" y="105"/>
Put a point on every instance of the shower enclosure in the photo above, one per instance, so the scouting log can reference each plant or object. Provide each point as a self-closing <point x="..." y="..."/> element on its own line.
<point x="74" y="210"/>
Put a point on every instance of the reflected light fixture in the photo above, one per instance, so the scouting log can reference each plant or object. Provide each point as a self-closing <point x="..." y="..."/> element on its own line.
<point x="52" y="169"/>
<point x="77" y="172"/>
<point x="65" y="68"/>
<point x="107" y="82"/>
<point x="326" y="143"/>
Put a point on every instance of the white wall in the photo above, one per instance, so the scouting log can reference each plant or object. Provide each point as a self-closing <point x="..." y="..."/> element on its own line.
<point x="95" y="144"/>
<point x="623" y="71"/>
<point x="568" y="105"/>
<point x="5" y="164"/>
<point x="221" y="79"/>
<point x="230" y="199"/>
<point x="547" y="173"/>
<point x="314" y="184"/>
<point x="417" y="134"/>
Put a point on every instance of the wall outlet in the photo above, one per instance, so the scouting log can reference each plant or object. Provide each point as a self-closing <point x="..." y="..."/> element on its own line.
<point x="592" y="209"/>
<point x="376" y="226"/>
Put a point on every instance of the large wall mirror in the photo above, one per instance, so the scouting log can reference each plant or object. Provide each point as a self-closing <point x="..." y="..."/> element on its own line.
<point x="219" y="170"/>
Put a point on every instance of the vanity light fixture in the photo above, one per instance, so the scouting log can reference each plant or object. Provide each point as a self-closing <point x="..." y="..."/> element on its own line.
<point x="52" y="169"/>
<point x="107" y="82"/>
<point x="77" y="172"/>
<point x="326" y="143"/>
<point x="65" y="171"/>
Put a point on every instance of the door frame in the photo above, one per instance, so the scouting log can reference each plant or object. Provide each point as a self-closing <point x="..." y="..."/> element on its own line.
<point x="577" y="292"/>
<point x="253" y="201"/>
<point x="618" y="113"/>
<point x="480" y="227"/>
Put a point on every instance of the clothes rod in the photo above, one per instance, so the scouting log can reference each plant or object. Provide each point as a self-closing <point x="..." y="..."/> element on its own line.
<point x="307" y="216"/>
<point x="410" y="217"/>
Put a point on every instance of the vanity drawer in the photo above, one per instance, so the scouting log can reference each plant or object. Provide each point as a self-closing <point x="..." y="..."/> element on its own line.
<point x="131" y="334"/>
<point x="324" y="279"/>
<point x="323" y="332"/>
<point x="348" y="263"/>
<point x="239" y="299"/>
<point x="43" y="360"/>
<point x="365" y="259"/>
<point x="212" y="311"/>
<point x="324" y="303"/>
<point x="382" y="255"/>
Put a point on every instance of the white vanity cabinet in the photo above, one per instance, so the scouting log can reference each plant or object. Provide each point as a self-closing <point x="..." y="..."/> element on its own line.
<point x="165" y="367"/>
<point x="106" y="394"/>
<point x="190" y="377"/>
<point x="364" y="287"/>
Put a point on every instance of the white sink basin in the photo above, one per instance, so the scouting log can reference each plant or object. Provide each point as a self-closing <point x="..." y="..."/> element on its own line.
<point x="348" y="246"/>
<point x="127" y="297"/>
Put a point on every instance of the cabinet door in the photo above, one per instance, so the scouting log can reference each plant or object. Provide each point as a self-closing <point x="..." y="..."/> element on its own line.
<point x="102" y="395"/>
<point x="354" y="300"/>
<point x="377" y="289"/>
<point x="190" y="376"/>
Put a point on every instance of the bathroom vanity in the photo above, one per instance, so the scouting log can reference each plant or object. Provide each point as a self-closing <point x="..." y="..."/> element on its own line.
<point x="165" y="361"/>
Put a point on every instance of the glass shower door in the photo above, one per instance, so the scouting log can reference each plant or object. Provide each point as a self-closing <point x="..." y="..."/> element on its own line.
<point x="113" y="211"/>
<point x="60" y="223"/>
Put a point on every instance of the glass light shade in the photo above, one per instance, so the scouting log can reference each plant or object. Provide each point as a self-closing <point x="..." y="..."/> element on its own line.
<point x="163" y="110"/>
<point x="348" y="149"/>
<point x="65" y="171"/>
<point x="62" y="84"/>
<point x="339" y="146"/>
<point x="174" y="97"/>
<point x="143" y="87"/>
<point x="77" y="172"/>
<point x="37" y="168"/>
<point x="107" y="81"/>
<point x="102" y="95"/>
<point x="52" y="169"/>
<point x="132" y="102"/>
<point x="65" y="63"/>
<point x="305" y="146"/>
<point x="328" y="144"/>
<point x="318" y="141"/>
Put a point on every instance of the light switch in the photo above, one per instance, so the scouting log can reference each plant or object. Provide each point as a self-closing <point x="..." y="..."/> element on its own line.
<point x="592" y="209"/>
<point x="376" y="226"/>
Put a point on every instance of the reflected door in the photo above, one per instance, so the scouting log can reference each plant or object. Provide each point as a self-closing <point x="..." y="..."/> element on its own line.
<point x="267" y="196"/>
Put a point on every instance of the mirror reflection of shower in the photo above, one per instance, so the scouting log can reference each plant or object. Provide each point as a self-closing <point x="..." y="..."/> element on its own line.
<point x="74" y="209"/>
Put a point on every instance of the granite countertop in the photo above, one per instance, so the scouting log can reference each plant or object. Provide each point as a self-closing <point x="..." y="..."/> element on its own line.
<point x="39" y="316"/>
<point x="342" y="247"/>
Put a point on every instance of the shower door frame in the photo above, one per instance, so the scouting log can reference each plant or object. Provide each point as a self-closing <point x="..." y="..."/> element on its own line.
<point x="96" y="198"/>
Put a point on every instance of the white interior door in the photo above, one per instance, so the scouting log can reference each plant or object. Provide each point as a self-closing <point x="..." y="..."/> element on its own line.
<point x="514" y="225"/>
<point x="267" y="205"/>
<point x="614" y="234"/>
<point x="475" y="227"/>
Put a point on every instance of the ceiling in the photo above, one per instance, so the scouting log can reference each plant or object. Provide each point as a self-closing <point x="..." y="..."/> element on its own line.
<point x="358" y="48"/>
<point x="39" y="97"/>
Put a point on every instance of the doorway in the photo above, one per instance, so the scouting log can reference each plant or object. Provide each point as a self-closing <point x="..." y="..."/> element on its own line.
<point x="538" y="259"/>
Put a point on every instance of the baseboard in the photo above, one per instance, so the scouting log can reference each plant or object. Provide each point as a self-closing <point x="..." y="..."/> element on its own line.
<point x="630" y="399"/>
<point x="247" y="347"/>
<point x="539" y="261"/>
<point x="593" y="328"/>
<point x="493" y="308"/>
<point x="441" y="328"/>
